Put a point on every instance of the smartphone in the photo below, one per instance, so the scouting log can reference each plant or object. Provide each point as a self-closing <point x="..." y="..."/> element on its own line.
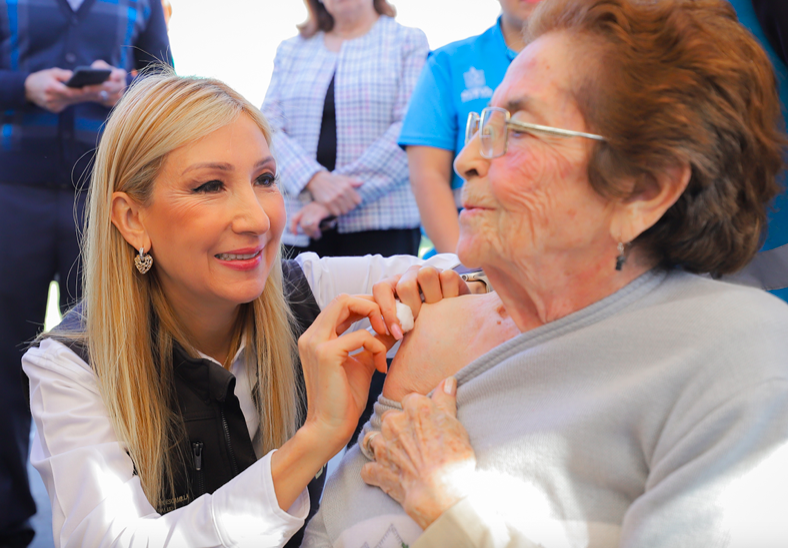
<point x="88" y="76"/>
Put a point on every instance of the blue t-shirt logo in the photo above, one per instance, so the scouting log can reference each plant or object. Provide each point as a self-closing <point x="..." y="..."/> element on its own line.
<point x="476" y="85"/>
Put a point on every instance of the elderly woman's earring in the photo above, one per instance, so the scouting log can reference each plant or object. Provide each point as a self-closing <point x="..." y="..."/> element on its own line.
<point x="622" y="257"/>
<point x="143" y="261"/>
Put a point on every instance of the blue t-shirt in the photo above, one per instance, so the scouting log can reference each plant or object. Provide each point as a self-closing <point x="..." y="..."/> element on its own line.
<point x="458" y="78"/>
<point x="778" y="215"/>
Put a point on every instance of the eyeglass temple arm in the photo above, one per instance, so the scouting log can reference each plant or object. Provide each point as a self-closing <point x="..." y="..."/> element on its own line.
<point x="554" y="130"/>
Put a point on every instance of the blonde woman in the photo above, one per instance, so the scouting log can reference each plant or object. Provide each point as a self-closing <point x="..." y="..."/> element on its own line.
<point x="168" y="403"/>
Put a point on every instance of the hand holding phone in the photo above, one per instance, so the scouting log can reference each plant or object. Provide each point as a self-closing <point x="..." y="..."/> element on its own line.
<point x="88" y="76"/>
<point x="111" y="90"/>
<point x="46" y="88"/>
<point x="54" y="89"/>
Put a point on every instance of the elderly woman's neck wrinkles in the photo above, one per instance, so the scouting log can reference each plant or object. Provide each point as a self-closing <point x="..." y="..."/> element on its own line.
<point x="536" y="295"/>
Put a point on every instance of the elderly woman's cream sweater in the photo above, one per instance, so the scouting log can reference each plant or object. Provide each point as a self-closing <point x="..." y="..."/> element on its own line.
<point x="656" y="417"/>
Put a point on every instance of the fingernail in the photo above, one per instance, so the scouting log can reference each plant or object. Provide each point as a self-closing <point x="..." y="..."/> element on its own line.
<point x="396" y="330"/>
<point x="450" y="386"/>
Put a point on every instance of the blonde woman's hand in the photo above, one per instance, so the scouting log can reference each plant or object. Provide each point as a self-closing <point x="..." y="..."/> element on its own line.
<point x="423" y="457"/>
<point x="418" y="284"/>
<point x="338" y="367"/>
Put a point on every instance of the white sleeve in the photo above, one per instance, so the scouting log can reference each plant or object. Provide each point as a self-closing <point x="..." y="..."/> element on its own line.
<point x="332" y="276"/>
<point x="98" y="501"/>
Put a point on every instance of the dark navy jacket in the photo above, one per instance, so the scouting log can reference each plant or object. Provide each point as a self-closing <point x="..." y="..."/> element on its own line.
<point x="773" y="16"/>
<point x="41" y="148"/>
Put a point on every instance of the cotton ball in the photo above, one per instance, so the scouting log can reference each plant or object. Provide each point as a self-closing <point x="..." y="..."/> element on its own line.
<point x="405" y="316"/>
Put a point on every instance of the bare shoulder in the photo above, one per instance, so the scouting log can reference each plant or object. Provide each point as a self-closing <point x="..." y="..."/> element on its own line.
<point x="448" y="335"/>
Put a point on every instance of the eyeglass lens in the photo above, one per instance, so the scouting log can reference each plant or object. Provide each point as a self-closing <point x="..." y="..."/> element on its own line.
<point x="492" y="124"/>
<point x="493" y="133"/>
<point x="471" y="127"/>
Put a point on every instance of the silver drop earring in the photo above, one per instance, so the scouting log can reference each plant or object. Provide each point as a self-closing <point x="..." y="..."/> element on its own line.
<point x="622" y="257"/>
<point x="143" y="261"/>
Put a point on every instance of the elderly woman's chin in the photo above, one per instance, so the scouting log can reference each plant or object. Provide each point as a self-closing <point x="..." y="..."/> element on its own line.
<point x="472" y="247"/>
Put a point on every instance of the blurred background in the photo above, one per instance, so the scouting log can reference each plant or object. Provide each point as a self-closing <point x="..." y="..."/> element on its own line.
<point x="236" y="40"/>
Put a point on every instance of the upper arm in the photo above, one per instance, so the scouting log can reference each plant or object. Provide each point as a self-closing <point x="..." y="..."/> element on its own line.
<point x="436" y="348"/>
<point x="448" y="335"/>
<point x="153" y="45"/>
<point x="270" y="107"/>
<point x="431" y="119"/>
<point x="76" y="451"/>
<point x="294" y="63"/>
<point x="12" y="89"/>
<point x="414" y="54"/>
<point x="429" y="164"/>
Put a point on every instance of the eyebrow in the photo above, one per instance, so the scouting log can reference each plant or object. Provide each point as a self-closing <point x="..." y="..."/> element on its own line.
<point x="224" y="166"/>
<point x="526" y="104"/>
<point x="516" y="105"/>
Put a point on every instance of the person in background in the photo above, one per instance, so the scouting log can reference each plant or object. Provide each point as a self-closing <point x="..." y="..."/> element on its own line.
<point x="336" y="101"/>
<point x="458" y="79"/>
<point x="49" y="131"/>
<point x="768" y="21"/>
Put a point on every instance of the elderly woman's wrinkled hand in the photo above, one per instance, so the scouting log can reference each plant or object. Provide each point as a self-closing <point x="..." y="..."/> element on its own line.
<point x="423" y="457"/>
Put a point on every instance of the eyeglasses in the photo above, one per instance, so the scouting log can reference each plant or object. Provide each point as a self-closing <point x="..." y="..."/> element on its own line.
<point x="495" y="122"/>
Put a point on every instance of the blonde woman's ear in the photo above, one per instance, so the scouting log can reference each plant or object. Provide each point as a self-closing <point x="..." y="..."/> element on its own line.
<point x="126" y="216"/>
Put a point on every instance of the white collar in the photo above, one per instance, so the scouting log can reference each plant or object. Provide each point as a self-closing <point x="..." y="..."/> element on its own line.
<point x="236" y="358"/>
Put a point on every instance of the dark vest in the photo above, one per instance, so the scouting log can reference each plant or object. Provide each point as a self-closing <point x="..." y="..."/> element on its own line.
<point x="217" y="446"/>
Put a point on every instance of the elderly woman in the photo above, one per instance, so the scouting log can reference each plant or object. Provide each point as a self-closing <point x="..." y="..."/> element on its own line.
<point x="610" y="395"/>
<point x="170" y="406"/>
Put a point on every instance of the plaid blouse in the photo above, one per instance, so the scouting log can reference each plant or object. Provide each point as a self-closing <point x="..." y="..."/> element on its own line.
<point x="375" y="75"/>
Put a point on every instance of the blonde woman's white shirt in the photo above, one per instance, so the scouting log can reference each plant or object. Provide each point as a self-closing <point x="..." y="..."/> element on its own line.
<point x="98" y="501"/>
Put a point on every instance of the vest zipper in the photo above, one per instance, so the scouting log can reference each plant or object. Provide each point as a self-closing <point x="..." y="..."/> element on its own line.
<point x="229" y="445"/>
<point x="197" y="448"/>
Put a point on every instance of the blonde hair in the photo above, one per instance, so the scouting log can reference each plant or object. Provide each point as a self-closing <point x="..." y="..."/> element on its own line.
<point x="129" y="325"/>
